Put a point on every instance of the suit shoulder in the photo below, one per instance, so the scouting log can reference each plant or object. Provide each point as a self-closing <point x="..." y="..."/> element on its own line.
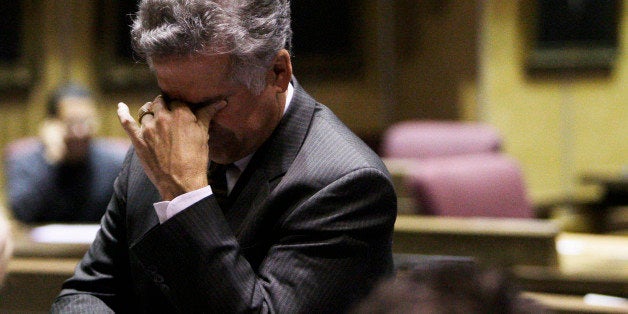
<point x="332" y="143"/>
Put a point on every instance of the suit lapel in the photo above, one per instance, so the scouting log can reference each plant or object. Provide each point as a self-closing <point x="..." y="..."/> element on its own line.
<point x="282" y="147"/>
<point x="271" y="162"/>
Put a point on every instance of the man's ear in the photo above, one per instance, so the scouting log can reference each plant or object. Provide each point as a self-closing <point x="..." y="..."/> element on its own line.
<point x="281" y="72"/>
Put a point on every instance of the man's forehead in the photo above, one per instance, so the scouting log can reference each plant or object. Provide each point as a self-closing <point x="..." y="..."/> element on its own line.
<point x="193" y="78"/>
<point x="215" y="63"/>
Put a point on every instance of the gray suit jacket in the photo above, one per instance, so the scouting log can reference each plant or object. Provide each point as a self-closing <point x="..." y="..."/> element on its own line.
<point x="309" y="231"/>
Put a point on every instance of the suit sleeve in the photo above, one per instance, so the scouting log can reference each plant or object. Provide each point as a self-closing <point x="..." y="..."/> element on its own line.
<point x="327" y="248"/>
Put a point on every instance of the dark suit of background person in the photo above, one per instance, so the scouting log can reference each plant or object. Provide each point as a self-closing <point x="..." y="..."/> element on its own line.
<point x="68" y="176"/>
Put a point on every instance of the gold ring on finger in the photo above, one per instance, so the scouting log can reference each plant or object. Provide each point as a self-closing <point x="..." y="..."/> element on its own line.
<point x="142" y="112"/>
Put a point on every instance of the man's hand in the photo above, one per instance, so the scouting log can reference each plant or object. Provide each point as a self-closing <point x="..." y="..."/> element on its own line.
<point x="172" y="144"/>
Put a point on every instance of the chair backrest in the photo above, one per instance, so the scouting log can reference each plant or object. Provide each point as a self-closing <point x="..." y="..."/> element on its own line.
<point x="427" y="139"/>
<point x="481" y="185"/>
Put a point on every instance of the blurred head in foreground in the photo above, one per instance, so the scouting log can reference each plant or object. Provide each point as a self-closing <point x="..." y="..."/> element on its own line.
<point x="446" y="288"/>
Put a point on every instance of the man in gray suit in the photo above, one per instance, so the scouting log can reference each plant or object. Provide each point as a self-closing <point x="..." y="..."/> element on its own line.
<point x="304" y="220"/>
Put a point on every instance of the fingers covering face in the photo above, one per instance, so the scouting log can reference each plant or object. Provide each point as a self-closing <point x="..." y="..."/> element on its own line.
<point x="150" y="112"/>
<point x="205" y="115"/>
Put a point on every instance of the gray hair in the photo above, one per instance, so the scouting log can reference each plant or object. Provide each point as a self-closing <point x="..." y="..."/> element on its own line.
<point x="251" y="32"/>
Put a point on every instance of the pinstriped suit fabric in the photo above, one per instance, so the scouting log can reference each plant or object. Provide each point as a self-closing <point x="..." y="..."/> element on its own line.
<point x="309" y="232"/>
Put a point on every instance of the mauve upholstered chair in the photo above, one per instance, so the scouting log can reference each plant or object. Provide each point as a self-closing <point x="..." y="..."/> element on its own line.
<point x="427" y="139"/>
<point x="479" y="185"/>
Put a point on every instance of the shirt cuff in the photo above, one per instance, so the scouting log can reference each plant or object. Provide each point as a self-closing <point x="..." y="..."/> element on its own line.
<point x="167" y="209"/>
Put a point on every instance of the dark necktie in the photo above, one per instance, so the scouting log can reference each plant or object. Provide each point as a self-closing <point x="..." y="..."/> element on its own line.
<point x="217" y="178"/>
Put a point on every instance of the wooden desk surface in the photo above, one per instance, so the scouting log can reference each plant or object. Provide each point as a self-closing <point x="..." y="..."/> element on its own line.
<point x="32" y="283"/>
<point x="574" y="304"/>
<point x="476" y="225"/>
<point x="36" y="271"/>
<point x="26" y="246"/>
<point x="499" y="241"/>
<point x="593" y="253"/>
<point x="43" y="265"/>
<point x="542" y="258"/>
<point x="588" y="263"/>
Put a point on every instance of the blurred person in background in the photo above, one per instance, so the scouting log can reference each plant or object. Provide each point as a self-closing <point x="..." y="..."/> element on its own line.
<point x="68" y="175"/>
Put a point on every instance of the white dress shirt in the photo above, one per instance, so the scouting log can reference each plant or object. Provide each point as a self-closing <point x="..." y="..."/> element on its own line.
<point x="167" y="209"/>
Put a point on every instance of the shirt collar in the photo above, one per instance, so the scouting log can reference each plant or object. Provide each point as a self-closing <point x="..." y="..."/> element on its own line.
<point x="289" y="95"/>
